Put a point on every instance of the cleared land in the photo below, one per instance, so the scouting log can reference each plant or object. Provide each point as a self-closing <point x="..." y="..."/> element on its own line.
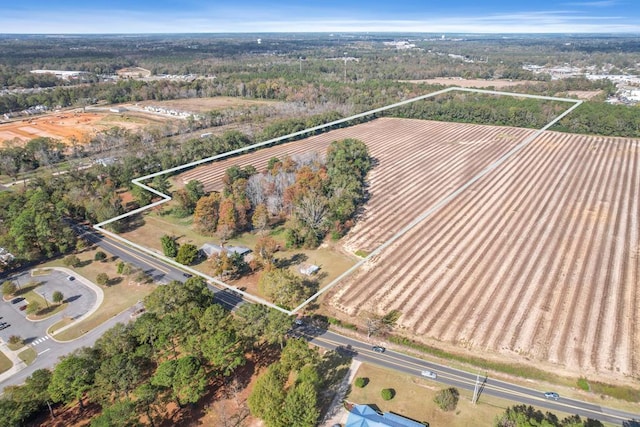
<point x="539" y="260"/>
<point x="203" y="105"/>
<point x="69" y="125"/>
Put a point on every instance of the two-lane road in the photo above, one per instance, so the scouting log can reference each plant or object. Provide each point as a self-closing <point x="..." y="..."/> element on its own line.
<point x="464" y="380"/>
<point x="164" y="273"/>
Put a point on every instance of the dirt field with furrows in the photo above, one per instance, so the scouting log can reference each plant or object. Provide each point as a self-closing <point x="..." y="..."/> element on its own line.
<point x="407" y="136"/>
<point x="69" y="124"/>
<point x="539" y="260"/>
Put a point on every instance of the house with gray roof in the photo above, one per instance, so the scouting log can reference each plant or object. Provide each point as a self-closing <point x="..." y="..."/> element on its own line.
<point x="209" y="249"/>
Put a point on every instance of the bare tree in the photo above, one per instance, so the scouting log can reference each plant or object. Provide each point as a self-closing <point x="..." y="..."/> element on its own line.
<point x="380" y="325"/>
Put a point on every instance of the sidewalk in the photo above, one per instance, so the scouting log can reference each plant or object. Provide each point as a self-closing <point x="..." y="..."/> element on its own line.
<point x="336" y="413"/>
<point x="18" y="364"/>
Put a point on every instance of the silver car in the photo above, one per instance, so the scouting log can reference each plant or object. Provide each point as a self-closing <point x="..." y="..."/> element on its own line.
<point x="429" y="374"/>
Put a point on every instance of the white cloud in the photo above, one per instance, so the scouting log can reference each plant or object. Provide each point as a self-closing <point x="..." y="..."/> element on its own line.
<point x="600" y="3"/>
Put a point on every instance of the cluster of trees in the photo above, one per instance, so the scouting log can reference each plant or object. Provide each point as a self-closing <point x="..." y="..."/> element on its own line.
<point x="180" y="349"/>
<point x="315" y="195"/>
<point x="285" y="288"/>
<point x="525" y="416"/>
<point x="225" y="213"/>
<point x="42" y="151"/>
<point x="32" y="224"/>
<point x="287" y="394"/>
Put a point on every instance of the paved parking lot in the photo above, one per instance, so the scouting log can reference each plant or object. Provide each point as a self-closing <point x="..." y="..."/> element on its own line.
<point x="80" y="300"/>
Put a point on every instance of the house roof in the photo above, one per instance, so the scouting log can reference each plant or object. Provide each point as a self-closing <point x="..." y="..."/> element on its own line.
<point x="210" y="249"/>
<point x="309" y="270"/>
<point x="366" y="416"/>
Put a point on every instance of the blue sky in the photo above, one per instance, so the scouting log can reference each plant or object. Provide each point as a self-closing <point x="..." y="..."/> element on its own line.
<point x="444" y="16"/>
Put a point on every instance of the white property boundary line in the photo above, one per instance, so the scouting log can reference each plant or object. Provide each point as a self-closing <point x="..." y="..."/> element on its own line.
<point x="379" y="249"/>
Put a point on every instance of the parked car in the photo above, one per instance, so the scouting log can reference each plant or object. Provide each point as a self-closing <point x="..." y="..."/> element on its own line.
<point x="17" y="300"/>
<point x="551" y="395"/>
<point x="429" y="374"/>
<point x="23" y="308"/>
<point x="378" y="349"/>
<point x="71" y="278"/>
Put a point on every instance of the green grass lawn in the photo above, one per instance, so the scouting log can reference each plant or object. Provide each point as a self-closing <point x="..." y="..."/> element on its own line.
<point x="15" y="347"/>
<point x="28" y="355"/>
<point x="414" y="399"/>
<point x="5" y="363"/>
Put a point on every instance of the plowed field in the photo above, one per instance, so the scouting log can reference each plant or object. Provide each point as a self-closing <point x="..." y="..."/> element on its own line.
<point x="539" y="259"/>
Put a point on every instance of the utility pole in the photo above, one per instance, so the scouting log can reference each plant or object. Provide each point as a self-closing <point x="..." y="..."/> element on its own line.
<point x="301" y="65"/>
<point x="345" y="67"/>
<point x="476" y="390"/>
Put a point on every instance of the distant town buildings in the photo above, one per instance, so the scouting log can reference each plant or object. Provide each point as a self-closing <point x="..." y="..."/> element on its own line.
<point x="62" y="74"/>
<point x="628" y="85"/>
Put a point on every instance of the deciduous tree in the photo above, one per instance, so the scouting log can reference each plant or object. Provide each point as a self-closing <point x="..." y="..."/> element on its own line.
<point x="207" y="213"/>
<point x="169" y="246"/>
<point x="187" y="254"/>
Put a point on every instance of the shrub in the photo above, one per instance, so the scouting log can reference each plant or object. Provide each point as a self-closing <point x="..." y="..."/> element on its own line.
<point x="9" y="288"/>
<point x="102" y="279"/>
<point x="583" y="383"/>
<point x="15" y="340"/>
<point x="100" y="256"/>
<point x="361" y="382"/>
<point x="447" y="399"/>
<point x="387" y="393"/>
<point x="33" y="307"/>
<point x="71" y="261"/>
<point x="57" y="297"/>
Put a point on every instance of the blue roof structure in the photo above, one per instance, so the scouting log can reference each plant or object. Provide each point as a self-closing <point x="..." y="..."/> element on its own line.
<point x="366" y="416"/>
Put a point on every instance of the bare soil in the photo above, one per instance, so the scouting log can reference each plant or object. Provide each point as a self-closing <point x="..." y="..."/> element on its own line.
<point x="67" y="125"/>
<point x="538" y="261"/>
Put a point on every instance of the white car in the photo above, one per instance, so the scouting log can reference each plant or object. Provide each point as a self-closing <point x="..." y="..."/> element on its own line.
<point x="429" y="374"/>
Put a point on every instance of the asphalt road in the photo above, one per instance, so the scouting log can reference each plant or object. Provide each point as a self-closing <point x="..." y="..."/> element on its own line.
<point x="461" y="379"/>
<point x="50" y="351"/>
<point x="361" y="351"/>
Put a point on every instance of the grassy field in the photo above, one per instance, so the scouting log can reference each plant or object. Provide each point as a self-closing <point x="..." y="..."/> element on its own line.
<point x="28" y="355"/>
<point x="414" y="399"/>
<point x="119" y="295"/>
<point x="5" y="363"/>
<point x="15" y="347"/>
<point x="331" y="261"/>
